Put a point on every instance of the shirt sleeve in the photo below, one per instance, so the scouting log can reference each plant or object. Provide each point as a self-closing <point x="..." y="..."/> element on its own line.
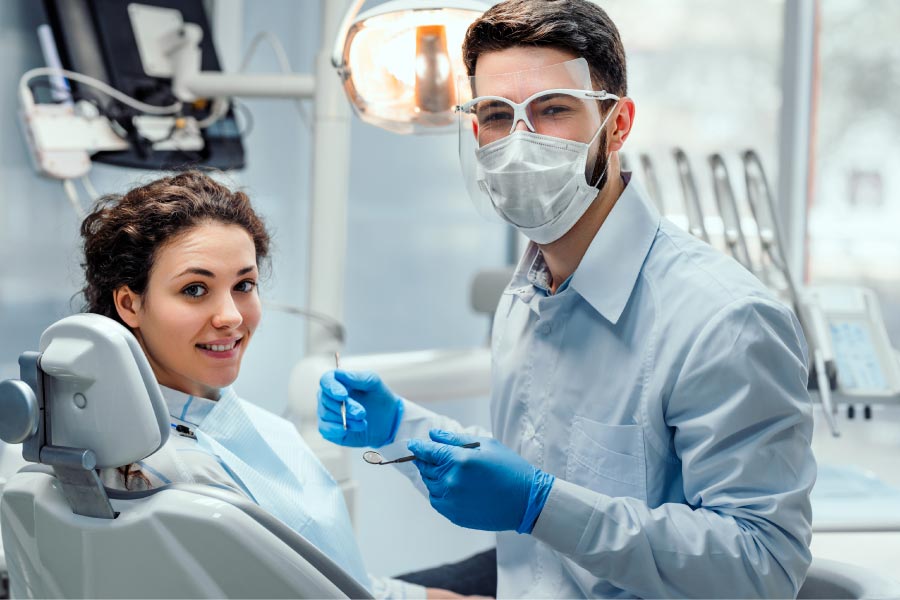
<point x="742" y="423"/>
<point x="415" y="423"/>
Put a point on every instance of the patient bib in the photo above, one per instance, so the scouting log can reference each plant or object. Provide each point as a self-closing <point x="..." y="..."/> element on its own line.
<point x="283" y="475"/>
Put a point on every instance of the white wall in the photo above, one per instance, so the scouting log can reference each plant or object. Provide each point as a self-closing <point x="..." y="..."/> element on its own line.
<point x="414" y="245"/>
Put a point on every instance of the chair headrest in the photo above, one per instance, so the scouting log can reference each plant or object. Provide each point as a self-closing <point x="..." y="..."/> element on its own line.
<point x="100" y="392"/>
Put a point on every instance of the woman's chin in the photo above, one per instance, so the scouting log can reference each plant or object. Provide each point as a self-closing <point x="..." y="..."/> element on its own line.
<point x="223" y="380"/>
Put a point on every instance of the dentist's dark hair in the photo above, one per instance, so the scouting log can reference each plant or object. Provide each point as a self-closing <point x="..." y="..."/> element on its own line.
<point x="123" y="233"/>
<point x="578" y="26"/>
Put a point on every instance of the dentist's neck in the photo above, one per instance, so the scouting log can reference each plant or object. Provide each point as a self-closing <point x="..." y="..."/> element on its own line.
<point x="564" y="255"/>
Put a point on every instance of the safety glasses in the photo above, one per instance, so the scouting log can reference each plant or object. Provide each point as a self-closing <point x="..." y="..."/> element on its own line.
<point x="559" y="112"/>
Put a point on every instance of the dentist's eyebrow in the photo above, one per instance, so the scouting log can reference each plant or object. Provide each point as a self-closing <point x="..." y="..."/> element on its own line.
<point x="491" y="104"/>
<point x="246" y="270"/>
<point x="548" y="97"/>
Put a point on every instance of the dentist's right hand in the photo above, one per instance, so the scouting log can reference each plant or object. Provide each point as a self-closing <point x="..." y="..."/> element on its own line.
<point x="373" y="410"/>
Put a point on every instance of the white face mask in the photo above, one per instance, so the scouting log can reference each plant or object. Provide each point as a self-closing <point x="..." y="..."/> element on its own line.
<point x="537" y="182"/>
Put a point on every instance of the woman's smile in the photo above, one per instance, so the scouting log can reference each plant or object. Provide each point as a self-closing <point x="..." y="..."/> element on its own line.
<point x="221" y="349"/>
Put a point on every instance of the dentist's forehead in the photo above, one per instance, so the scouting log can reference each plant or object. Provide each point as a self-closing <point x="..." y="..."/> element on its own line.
<point x="518" y="72"/>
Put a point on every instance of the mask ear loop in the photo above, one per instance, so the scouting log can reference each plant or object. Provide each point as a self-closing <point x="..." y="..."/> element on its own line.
<point x="594" y="139"/>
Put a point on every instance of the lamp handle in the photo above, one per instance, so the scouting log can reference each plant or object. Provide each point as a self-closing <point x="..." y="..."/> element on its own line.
<point x="341" y="37"/>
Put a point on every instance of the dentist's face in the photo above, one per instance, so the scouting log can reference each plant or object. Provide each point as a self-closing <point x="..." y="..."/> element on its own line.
<point x="199" y="310"/>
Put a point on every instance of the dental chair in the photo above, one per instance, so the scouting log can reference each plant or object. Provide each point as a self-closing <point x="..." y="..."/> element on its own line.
<point x="833" y="579"/>
<point x="10" y="462"/>
<point x="89" y="400"/>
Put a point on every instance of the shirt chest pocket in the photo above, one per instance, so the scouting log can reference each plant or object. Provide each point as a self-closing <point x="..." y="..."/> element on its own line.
<point x="607" y="458"/>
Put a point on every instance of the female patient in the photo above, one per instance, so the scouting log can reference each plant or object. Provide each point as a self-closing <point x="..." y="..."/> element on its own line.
<point x="177" y="261"/>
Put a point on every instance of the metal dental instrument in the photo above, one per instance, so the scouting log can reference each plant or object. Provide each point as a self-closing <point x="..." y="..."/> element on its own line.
<point x="374" y="458"/>
<point x="337" y="365"/>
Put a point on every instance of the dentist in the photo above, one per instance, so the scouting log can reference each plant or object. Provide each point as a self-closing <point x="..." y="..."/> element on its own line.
<point x="651" y="424"/>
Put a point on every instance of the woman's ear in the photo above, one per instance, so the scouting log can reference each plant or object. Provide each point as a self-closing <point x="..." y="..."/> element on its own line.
<point x="128" y="305"/>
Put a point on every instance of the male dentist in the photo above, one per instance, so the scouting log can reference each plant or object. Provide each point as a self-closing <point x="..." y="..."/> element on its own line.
<point x="651" y="424"/>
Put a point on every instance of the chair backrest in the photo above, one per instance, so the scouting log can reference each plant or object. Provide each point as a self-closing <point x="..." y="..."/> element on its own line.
<point x="182" y="541"/>
<point x="98" y="381"/>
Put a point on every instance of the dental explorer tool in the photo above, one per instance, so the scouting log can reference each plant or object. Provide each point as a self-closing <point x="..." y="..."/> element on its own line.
<point x="337" y="365"/>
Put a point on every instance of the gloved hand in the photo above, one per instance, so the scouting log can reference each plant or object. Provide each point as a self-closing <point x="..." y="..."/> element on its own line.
<point x="373" y="410"/>
<point x="490" y="487"/>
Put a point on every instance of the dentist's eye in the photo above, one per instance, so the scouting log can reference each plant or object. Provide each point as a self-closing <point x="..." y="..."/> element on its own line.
<point x="245" y="286"/>
<point x="555" y="111"/>
<point x="195" y="290"/>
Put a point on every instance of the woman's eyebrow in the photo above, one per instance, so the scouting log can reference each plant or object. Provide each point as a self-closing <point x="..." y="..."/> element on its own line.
<point x="196" y="271"/>
<point x="210" y="274"/>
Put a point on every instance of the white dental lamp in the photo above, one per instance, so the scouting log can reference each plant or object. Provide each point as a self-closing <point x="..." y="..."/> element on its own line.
<point x="398" y="62"/>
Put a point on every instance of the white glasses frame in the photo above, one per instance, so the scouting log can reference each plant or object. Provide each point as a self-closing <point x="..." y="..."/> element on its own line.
<point x="519" y="113"/>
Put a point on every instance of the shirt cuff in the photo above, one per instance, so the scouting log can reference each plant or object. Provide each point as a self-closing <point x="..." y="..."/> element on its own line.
<point x="415" y="422"/>
<point x="569" y="512"/>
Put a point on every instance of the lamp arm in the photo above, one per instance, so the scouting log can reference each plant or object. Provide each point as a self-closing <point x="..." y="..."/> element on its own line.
<point x="341" y="38"/>
<point x="190" y="83"/>
<point x="219" y="85"/>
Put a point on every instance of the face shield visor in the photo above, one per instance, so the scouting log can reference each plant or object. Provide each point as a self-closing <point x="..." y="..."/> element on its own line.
<point x="554" y="106"/>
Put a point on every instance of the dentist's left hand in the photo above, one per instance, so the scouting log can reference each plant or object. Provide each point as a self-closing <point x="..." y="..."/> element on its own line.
<point x="489" y="488"/>
<point x="373" y="410"/>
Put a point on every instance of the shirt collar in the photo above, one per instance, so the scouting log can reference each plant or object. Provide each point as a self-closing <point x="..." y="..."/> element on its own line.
<point x="526" y="279"/>
<point x="186" y="409"/>
<point x="609" y="269"/>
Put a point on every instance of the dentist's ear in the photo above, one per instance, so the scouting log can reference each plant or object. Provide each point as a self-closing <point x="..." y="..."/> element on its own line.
<point x="128" y="305"/>
<point x="621" y="124"/>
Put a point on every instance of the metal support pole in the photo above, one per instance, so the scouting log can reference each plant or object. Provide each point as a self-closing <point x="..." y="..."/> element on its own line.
<point x="796" y="150"/>
<point x="328" y="210"/>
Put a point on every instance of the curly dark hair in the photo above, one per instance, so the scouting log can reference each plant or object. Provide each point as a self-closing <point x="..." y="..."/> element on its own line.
<point x="578" y="26"/>
<point x="123" y="233"/>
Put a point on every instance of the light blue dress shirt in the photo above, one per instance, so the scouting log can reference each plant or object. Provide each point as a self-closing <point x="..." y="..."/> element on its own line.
<point x="665" y="388"/>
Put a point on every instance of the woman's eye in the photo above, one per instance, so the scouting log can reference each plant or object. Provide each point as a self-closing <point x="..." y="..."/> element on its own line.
<point x="195" y="290"/>
<point x="245" y="286"/>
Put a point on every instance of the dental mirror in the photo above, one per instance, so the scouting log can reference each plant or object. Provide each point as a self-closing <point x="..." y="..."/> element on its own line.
<point x="374" y="458"/>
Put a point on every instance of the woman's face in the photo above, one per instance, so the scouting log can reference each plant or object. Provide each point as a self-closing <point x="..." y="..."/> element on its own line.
<point x="199" y="310"/>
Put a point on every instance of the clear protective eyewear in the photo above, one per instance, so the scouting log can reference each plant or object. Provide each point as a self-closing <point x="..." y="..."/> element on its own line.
<point x="560" y="112"/>
<point x="557" y="100"/>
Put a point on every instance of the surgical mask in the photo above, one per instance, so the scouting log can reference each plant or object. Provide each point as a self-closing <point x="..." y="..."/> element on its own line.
<point x="537" y="182"/>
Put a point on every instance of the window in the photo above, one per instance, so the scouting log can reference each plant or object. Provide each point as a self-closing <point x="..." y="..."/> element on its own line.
<point x="854" y="215"/>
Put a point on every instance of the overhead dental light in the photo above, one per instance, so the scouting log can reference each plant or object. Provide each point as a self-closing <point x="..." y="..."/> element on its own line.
<point x="398" y="62"/>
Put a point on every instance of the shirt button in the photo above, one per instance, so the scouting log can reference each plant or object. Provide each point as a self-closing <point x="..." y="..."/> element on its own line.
<point x="545" y="328"/>
<point x="528" y="431"/>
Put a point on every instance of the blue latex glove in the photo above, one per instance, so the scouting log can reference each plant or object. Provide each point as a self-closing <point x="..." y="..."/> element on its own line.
<point x="373" y="410"/>
<point x="490" y="487"/>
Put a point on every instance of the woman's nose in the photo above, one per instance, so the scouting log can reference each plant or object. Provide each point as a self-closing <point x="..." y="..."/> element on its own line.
<point x="227" y="314"/>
